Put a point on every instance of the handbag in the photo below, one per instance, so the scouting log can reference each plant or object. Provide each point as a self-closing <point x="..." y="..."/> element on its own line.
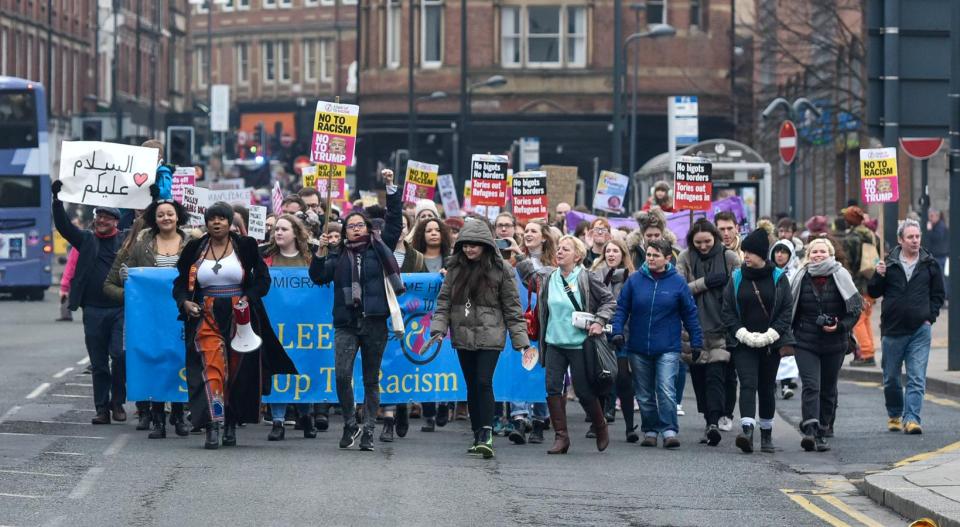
<point x="530" y="315"/>
<point x="600" y="359"/>
<point x="396" y="315"/>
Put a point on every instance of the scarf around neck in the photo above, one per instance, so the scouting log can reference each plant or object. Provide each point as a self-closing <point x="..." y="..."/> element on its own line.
<point x="347" y="275"/>
<point x="710" y="302"/>
<point x="829" y="267"/>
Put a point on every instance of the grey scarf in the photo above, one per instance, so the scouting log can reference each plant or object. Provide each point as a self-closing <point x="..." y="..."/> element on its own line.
<point x="841" y="277"/>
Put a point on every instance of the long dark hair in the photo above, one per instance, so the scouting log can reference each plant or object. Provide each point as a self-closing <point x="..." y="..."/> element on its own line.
<point x="419" y="240"/>
<point x="470" y="276"/>
<point x="703" y="225"/>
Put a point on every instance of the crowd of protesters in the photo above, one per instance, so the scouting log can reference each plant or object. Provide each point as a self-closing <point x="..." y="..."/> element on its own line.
<point x="752" y="316"/>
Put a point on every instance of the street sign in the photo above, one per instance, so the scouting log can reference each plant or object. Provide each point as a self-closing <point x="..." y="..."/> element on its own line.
<point x="682" y="112"/>
<point x="529" y="153"/>
<point x="788" y="142"/>
<point x="921" y="147"/>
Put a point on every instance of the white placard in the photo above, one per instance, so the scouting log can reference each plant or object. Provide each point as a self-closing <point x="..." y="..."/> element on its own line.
<point x="196" y="200"/>
<point x="107" y="174"/>
<point x="257" y="224"/>
<point x="224" y="184"/>
<point x="232" y="196"/>
<point x="448" y="195"/>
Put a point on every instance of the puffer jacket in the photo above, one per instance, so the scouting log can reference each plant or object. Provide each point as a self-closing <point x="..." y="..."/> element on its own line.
<point x="908" y="304"/>
<point x="779" y="316"/>
<point x="143" y="253"/>
<point x="596" y="297"/>
<point x="495" y="310"/>
<point x="811" y="304"/>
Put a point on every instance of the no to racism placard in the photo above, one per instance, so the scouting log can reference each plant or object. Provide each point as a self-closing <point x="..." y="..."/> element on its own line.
<point x="693" y="184"/>
<point x="316" y="176"/>
<point x="611" y="191"/>
<point x="878" y="175"/>
<point x="421" y="181"/>
<point x="334" y="133"/>
<point x="530" y="196"/>
<point x="107" y="174"/>
<point x="488" y="176"/>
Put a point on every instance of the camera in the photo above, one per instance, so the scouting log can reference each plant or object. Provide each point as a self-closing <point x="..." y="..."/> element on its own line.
<point x="826" y="321"/>
<point x="503" y="244"/>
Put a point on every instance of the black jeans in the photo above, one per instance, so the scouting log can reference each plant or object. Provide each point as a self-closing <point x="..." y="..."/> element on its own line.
<point x="709" y="382"/>
<point x="757" y="371"/>
<point x="729" y="388"/>
<point x="103" y="333"/>
<point x="819" y="374"/>
<point x="478" y="367"/>
<point x="371" y="339"/>
<point x="558" y="360"/>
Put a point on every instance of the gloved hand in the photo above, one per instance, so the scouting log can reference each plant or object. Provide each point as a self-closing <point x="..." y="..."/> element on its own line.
<point x="742" y="336"/>
<point x="124" y="272"/>
<point x="55" y="188"/>
<point x="715" y="280"/>
<point x="769" y="337"/>
<point x="617" y="341"/>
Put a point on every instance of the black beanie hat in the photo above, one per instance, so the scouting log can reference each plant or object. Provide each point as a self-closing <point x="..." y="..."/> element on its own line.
<point x="757" y="242"/>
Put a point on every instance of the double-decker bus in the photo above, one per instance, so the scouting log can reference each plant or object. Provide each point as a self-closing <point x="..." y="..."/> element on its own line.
<point x="26" y="244"/>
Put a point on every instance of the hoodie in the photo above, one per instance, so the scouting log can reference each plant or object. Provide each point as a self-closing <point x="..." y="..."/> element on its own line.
<point x="793" y="264"/>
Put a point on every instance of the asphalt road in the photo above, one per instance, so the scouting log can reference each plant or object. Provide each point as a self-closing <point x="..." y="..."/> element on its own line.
<point x="56" y="469"/>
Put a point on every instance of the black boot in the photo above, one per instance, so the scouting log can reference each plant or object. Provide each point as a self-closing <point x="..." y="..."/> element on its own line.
<point x="536" y="435"/>
<point x="402" y="420"/>
<point x="143" y="416"/>
<point x="610" y="408"/>
<point x="306" y="422"/>
<point x="230" y="434"/>
<point x="429" y="425"/>
<point x="212" y="441"/>
<point x="519" y="433"/>
<point x="176" y="418"/>
<point x="386" y="435"/>
<point x="158" y="429"/>
<point x="745" y="439"/>
<point x="277" y="432"/>
<point x="443" y="415"/>
<point x="766" y="441"/>
<point x="102" y="417"/>
<point x="808" y="443"/>
<point x="821" y="440"/>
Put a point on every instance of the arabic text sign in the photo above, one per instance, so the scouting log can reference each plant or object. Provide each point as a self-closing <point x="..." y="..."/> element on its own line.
<point x="693" y="184"/>
<point x="448" y="195"/>
<point x="107" y="174"/>
<point x="182" y="177"/>
<point x="530" y="196"/>
<point x="195" y="201"/>
<point x="334" y="133"/>
<point x="488" y="176"/>
<point x="421" y="181"/>
<point x="611" y="190"/>
<point x="878" y="175"/>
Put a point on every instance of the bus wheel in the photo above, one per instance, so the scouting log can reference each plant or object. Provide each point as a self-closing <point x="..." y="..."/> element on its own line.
<point x="36" y="294"/>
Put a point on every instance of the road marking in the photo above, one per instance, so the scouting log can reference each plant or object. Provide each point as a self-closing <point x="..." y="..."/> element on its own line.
<point x="61" y="423"/>
<point x="813" y="509"/>
<point x="38" y="390"/>
<point x="84" y="361"/>
<point x="28" y="473"/>
<point x="927" y="455"/>
<point x="86" y="483"/>
<point x="83" y="384"/>
<point x="62" y="372"/>
<point x="9" y="413"/>
<point x="950" y="403"/>
<point x="117" y="445"/>
<point x="27" y="496"/>
<point x="68" y="396"/>
<point x="63" y="453"/>
<point x="851" y="512"/>
<point x="49" y="435"/>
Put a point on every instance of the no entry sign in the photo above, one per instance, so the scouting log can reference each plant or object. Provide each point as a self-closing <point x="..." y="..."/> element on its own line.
<point x="921" y="147"/>
<point x="788" y="142"/>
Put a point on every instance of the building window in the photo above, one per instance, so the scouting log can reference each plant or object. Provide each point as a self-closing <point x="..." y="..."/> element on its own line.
<point x="65" y="81"/>
<point x="75" y="99"/>
<point x="326" y="60"/>
<point x="696" y="14"/>
<point x="53" y="78"/>
<point x="431" y="34"/>
<point x="318" y="60"/>
<point x="243" y="64"/>
<point x="576" y="36"/>
<point x="311" y="3"/>
<point x="543" y="36"/>
<point x="349" y="2"/>
<point x="269" y="62"/>
<point x="227" y="5"/>
<point x="200" y="67"/>
<point x="286" y="4"/>
<point x="202" y="7"/>
<point x="41" y="58"/>
<point x="243" y="5"/>
<point x="284" y="60"/>
<point x="269" y="4"/>
<point x="511" y="32"/>
<point x="175" y="77"/>
<point x="656" y="11"/>
<point x="3" y="51"/>
<point x="394" y="30"/>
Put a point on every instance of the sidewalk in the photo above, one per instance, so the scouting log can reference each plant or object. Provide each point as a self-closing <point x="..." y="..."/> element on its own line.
<point x="927" y="485"/>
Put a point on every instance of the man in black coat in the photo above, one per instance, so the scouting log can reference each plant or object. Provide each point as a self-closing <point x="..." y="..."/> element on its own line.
<point x="911" y="282"/>
<point x="102" y="316"/>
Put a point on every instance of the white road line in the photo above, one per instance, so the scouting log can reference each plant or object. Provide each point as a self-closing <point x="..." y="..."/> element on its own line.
<point x="62" y="372"/>
<point x="27" y="496"/>
<point x="63" y="453"/>
<point x="86" y="483"/>
<point x="9" y="413"/>
<point x="117" y="445"/>
<point x="62" y="423"/>
<point x="49" y="435"/>
<point x="84" y="361"/>
<point x="83" y="384"/>
<point x="28" y="473"/>
<point x="68" y="396"/>
<point x="38" y="390"/>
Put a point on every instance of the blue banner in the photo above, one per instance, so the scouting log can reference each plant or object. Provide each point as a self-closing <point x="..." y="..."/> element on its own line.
<point x="302" y="316"/>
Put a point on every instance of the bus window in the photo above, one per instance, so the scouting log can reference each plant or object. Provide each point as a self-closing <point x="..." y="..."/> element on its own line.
<point x="18" y="119"/>
<point x="19" y="191"/>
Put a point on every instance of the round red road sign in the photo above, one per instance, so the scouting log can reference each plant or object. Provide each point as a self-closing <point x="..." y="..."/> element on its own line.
<point x="921" y="147"/>
<point x="788" y="142"/>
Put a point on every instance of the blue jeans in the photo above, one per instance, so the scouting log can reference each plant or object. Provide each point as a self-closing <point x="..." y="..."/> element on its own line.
<point x="536" y="411"/>
<point x="681" y="382"/>
<point x="279" y="410"/>
<point x="654" y="377"/>
<point x="913" y="351"/>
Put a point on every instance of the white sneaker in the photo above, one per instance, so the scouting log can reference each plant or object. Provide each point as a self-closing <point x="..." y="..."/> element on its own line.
<point x="680" y="410"/>
<point x="725" y="424"/>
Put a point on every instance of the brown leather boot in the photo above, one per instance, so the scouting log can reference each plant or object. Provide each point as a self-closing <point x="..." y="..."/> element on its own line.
<point x="558" y="418"/>
<point x="599" y="424"/>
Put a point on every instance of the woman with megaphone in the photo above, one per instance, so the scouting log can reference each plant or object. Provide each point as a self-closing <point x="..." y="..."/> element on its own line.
<point x="232" y="351"/>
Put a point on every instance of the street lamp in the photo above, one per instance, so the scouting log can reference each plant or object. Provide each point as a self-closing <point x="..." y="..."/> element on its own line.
<point x="793" y="113"/>
<point x="653" y="31"/>
<point x="412" y="122"/>
<point x="494" y="81"/>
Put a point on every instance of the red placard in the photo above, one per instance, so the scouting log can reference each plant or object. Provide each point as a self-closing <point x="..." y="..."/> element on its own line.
<point x="693" y="184"/>
<point x="488" y="176"/>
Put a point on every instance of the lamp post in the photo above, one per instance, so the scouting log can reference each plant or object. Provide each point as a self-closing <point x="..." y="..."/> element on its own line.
<point x="494" y="81"/>
<point x="794" y="111"/>
<point x="653" y="31"/>
<point x="412" y="130"/>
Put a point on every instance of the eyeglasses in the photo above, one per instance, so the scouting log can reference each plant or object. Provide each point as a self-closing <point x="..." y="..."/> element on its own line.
<point x="356" y="226"/>
<point x="601" y="230"/>
<point x="504" y="225"/>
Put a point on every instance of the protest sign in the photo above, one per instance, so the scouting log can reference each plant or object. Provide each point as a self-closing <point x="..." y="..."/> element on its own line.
<point x="530" y="196"/>
<point x="693" y="183"/>
<point x="334" y="133"/>
<point x="421" y="181"/>
<point x="301" y="314"/>
<point x="563" y="184"/>
<point x="488" y="176"/>
<point x="316" y="176"/>
<point x="448" y="196"/>
<point x="242" y="196"/>
<point x="257" y="224"/>
<point x="227" y="184"/>
<point x="467" y="193"/>
<point x="195" y="201"/>
<point x="611" y="190"/>
<point x="183" y="176"/>
<point x="368" y="198"/>
<point x="107" y="174"/>
<point x="878" y="175"/>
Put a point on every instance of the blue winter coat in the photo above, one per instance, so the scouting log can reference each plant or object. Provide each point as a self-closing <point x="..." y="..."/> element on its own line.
<point x="653" y="310"/>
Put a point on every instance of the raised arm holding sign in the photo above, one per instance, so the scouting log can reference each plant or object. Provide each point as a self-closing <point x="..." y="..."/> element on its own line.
<point x="107" y="174"/>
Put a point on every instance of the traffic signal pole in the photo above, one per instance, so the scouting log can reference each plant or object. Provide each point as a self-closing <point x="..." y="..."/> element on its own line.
<point x="953" y="349"/>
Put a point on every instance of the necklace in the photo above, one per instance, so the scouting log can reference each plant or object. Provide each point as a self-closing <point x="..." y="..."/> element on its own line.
<point x="216" y="261"/>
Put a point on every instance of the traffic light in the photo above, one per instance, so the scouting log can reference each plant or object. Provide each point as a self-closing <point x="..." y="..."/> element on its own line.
<point x="180" y="143"/>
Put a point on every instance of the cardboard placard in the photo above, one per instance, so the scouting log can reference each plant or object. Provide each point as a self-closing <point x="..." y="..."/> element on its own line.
<point x="334" y="133"/>
<point x="195" y="201"/>
<point x="488" y="176"/>
<point x="530" y="196"/>
<point x="693" y="183"/>
<point x="878" y="175"/>
<point x="611" y="192"/>
<point x="107" y="174"/>
<point x="242" y="196"/>
<point x="182" y="176"/>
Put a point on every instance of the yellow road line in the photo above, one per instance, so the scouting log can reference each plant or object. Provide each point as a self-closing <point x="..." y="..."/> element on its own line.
<point x="926" y="397"/>
<point x="927" y="455"/>
<point x="816" y="511"/>
<point x="851" y="512"/>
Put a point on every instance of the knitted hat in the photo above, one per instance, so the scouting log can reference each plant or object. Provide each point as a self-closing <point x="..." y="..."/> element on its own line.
<point x="757" y="242"/>
<point x="426" y="204"/>
<point x="454" y="222"/>
<point x="853" y="215"/>
<point x="818" y="225"/>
